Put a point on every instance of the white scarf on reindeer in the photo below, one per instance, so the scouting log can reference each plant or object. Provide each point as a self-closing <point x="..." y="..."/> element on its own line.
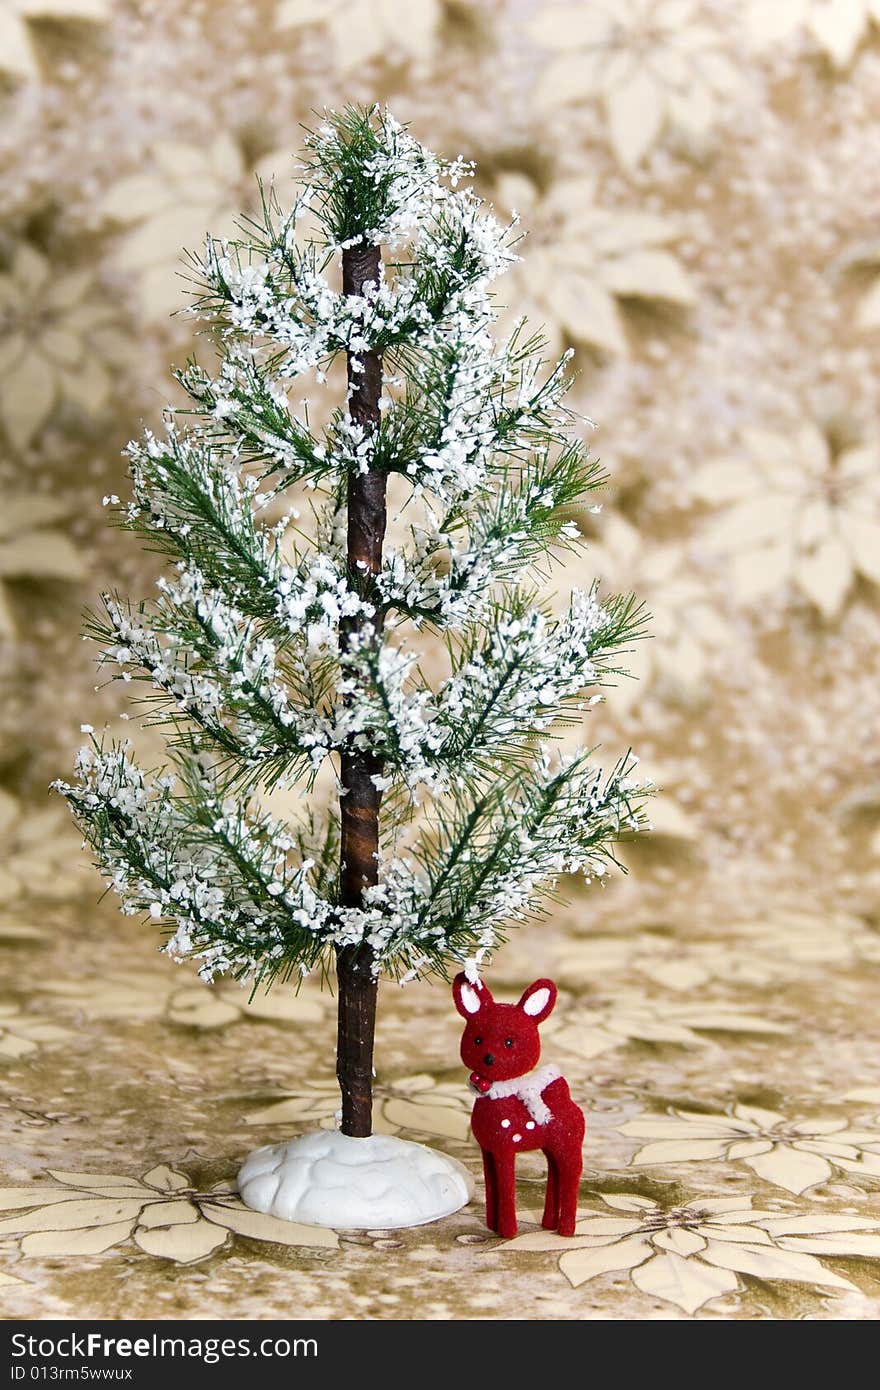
<point x="528" y="1089"/>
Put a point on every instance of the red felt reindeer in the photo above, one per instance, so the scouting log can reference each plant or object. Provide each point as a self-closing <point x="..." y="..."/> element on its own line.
<point x="519" y="1108"/>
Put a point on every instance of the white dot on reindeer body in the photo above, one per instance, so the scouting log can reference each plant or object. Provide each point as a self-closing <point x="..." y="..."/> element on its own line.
<point x="516" y="1138"/>
<point x="505" y="1124"/>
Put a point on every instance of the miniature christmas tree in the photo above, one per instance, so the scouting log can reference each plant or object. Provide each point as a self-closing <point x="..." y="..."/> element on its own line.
<point x="275" y="648"/>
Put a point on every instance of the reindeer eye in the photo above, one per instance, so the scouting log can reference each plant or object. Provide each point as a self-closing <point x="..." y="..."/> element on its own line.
<point x="477" y="1041"/>
<point x="508" y="1042"/>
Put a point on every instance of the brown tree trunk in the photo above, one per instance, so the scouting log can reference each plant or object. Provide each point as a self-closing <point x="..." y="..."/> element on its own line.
<point x="360" y="799"/>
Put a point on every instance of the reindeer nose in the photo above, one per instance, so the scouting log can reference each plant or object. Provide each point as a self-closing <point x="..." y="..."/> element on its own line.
<point x="489" y="1059"/>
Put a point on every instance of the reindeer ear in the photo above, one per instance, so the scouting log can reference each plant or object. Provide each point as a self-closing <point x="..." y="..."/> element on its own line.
<point x="469" y="998"/>
<point x="538" y="1000"/>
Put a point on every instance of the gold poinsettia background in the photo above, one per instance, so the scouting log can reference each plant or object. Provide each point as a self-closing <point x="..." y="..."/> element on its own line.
<point x="704" y="228"/>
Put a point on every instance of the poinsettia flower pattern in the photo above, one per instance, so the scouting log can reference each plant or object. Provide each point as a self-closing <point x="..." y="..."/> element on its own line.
<point x="162" y="1212"/>
<point x="836" y="26"/>
<point x="362" y="31"/>
<point x="39" y="856"/>
<point x="792" y="511"/>
<point x="865" y="259"/>
<point x="691" y="1253"/>
<point x="201" y="1005"/>
<point x="21" y="1034"/>
<point x="17" y="57"/>
<point x="795" y="1154"/>
<point x="689" y="628"/>
<point x="169" y="207"/>
<point x="144" y="995"/>
<point x="418" y="1103"/>
<point x="584" y="261"/>
<point x="795" y="940"/>
<point x="656" y="65"/>
<point x="33" y="547"/>
<point x="59" y="342"/>
<point x="634" y="1017"/>
<point x="664" y="960"/>
<point x="759" y="952"/>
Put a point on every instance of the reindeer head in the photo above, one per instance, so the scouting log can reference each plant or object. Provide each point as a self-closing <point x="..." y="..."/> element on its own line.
<point x="501" y="1041"/>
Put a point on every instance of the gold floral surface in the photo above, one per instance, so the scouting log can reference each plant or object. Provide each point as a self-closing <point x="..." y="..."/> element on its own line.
<point x="703" y="208"/>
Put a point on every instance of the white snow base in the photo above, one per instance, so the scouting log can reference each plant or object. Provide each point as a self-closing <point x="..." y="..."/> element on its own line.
<point x="330" y="1179"/>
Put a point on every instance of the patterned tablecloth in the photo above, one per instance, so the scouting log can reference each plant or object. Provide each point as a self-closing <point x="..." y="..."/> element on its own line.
<point x="703" y="229"/>
<point x="726" y="1067"/>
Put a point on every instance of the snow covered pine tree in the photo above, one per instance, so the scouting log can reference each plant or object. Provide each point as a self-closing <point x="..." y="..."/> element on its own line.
<point x="270" y="651"/>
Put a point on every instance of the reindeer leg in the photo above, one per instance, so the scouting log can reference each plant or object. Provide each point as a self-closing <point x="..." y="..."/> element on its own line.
<point x="491" y="1179"/>
<point x="550" y="1218"/>
<point x="505" y="1172"/>
<point x="570" y="1169"/>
